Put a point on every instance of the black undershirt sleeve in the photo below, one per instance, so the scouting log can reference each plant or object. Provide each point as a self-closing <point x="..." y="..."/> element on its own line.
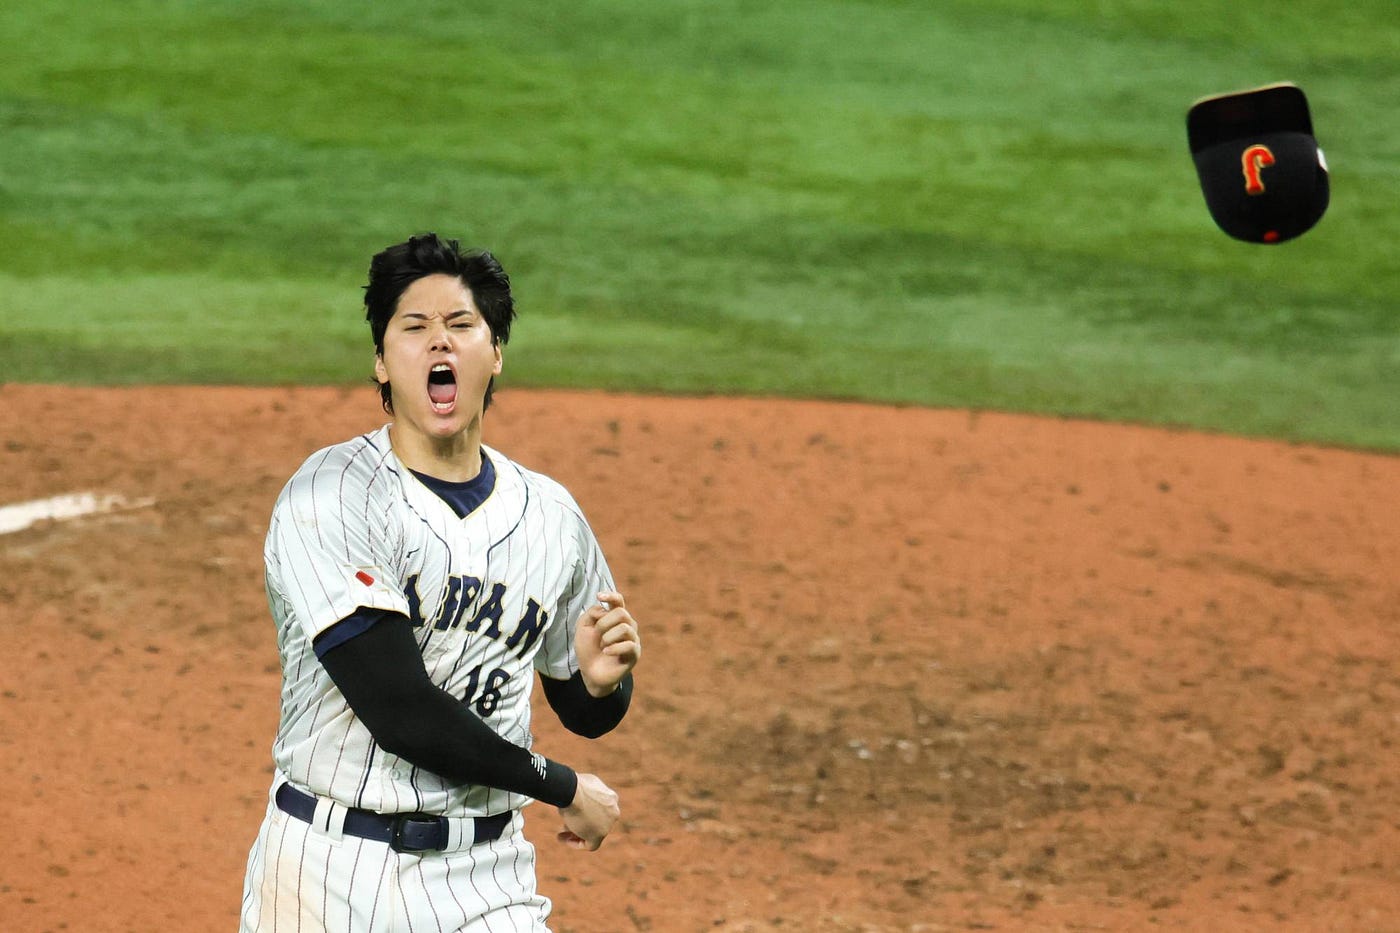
<point x="380" y="671"/>
<point x="581" y="712"/>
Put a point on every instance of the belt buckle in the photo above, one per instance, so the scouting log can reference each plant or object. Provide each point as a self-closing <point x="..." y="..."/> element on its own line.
<point x="418" y="832"/>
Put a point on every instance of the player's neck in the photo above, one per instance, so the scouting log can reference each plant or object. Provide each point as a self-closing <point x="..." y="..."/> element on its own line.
<point x="456" y="458"/>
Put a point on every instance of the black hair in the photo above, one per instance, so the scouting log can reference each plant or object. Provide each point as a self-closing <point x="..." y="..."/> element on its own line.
<point x="393" y="270"/>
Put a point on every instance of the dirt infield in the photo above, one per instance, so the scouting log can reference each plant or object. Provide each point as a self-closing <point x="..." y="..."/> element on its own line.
<point x="905" y="669"/>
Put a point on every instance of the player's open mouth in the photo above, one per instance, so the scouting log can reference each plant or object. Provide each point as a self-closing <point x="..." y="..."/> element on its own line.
<point x="442" y="388"/>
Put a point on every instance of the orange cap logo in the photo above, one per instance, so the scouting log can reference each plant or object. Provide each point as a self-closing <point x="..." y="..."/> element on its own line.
<point x="1254" y="160"/>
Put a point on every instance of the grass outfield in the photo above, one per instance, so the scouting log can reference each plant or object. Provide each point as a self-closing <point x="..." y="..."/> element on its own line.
<point x="981" y="203"/>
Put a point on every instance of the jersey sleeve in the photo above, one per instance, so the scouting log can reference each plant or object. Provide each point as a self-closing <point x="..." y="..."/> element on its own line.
<point x="588" y="577"/>
<point x="332" y="544"/>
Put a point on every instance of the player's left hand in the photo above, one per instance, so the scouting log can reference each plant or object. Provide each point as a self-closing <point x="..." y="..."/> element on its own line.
<point x="608" y="644"/>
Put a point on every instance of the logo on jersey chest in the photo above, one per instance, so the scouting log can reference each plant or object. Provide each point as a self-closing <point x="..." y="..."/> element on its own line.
<point x="475" y="607"/>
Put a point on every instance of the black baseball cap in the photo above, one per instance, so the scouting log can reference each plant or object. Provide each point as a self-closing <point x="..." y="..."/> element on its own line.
<point x="1262" y="172"/>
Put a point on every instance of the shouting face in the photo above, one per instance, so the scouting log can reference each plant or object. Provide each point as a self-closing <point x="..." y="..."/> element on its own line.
<point x="439" y="356"/>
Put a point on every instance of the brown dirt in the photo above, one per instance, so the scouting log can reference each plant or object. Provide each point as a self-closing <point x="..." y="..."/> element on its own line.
<point x="905" y="669"/>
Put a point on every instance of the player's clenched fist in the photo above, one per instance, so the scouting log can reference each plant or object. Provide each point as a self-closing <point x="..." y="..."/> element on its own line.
<point x="608" y="644"/>
<point x="592" y="814"/>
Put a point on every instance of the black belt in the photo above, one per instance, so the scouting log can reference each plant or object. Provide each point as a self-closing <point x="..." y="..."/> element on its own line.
<point x="404" y="832"/>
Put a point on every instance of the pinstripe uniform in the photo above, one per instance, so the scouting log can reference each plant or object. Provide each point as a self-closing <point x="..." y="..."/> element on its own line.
<point x="493" y="597"/>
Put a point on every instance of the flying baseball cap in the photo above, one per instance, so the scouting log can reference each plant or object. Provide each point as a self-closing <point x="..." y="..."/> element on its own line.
<point x="1262" y="172"/>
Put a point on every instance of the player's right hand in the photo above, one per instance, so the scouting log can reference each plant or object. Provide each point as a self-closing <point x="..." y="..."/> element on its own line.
<point x="592" y="814"/>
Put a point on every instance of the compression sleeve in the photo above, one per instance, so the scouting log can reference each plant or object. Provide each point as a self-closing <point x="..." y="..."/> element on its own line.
<point x="581" y="712"/>
<point x="380" y="672"/>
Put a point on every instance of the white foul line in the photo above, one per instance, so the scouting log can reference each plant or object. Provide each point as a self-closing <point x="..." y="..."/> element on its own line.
<point x="21" y="515"/>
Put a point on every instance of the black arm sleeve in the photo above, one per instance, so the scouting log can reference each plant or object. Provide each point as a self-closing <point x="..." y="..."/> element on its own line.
<point x="581" y="712"/>
<point x="380" y="671"/>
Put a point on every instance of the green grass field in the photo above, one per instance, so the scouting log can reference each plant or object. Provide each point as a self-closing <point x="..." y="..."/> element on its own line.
<point x="983" y="203"/>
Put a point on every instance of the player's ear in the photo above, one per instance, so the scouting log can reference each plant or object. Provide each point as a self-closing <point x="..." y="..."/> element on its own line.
<point x="500" y="361"/>
<point x="381" y="375"/>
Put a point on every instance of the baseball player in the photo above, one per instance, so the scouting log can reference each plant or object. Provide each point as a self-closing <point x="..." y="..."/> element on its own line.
<point x="418" y="580"/>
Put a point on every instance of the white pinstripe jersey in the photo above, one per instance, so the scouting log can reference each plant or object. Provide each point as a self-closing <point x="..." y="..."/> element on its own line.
<point x="493" y="596"/>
